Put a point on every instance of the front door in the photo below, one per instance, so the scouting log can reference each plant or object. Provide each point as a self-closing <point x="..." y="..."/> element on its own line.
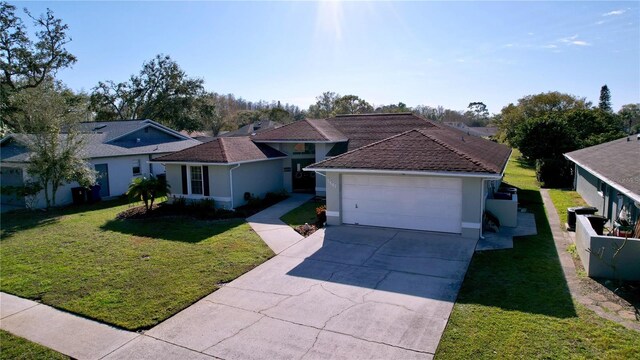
<point x="102" y="179"/>
<point x="302" y="181"/>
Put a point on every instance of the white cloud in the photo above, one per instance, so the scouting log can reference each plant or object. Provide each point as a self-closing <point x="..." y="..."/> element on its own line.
<point x="573" y="40"/>
<point x="550" y="46"/>
<point x="600" y="22"/>
<point x="614" y="13"/>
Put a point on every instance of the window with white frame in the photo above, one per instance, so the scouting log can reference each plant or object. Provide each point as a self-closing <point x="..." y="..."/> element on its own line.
<point x="136" y="167"/>
<point x="196" y="180"/>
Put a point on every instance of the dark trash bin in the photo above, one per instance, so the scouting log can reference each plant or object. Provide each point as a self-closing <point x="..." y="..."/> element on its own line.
<point x="94" y="193"/>
<point x="580" y="210"/>
<point x="79" y="195"/>
<point x="597" y="223"/>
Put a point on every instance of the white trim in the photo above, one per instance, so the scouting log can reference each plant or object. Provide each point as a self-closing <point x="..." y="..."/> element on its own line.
<point x="470" y="225"/>
<point x="189" y="180"/>
<point x="405" y="172"/>
<point x="628" y="193"/>
<point x="333" y="213"/>
<point x="231" y="182"/>
<point x="214" y="164"/>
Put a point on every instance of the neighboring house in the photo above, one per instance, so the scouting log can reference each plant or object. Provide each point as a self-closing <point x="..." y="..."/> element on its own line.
<point x="607" y="176"/>
<point x="392" y="170"/>
<point x="482" y="131"/>
<point x="118" y="150"/>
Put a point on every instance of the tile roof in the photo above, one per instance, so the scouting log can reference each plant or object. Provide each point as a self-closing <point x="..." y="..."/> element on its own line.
<point x="224" y="150"/>
<point x="308" y="130"/>
<point x="616" y="160"/>
<point x="433" y="148"/>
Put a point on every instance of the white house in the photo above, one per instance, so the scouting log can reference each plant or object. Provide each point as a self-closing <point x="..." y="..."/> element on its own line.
<point x="118" y="150"/>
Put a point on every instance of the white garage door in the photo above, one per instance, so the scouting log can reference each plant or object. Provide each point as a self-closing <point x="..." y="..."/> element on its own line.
<point x="406" y="202"/>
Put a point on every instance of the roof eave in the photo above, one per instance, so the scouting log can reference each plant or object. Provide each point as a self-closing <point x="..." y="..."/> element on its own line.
<point x="157" y="161"/>
<point x="408" y="172"/>
<point x="623" y="189"/>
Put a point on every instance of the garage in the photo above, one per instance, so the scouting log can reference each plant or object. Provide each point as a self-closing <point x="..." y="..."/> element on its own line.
<point x="428" y="203"/>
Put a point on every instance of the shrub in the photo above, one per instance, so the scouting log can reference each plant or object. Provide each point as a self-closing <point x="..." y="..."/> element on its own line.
<point x="321" y="214"/>
<point x="556" y="173"/>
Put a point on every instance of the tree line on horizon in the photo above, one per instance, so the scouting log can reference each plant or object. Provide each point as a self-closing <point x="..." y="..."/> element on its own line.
<point x="543" y="126"/>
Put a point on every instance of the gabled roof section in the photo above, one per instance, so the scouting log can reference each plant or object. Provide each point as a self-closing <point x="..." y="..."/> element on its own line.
<point x="307" y="130"/>
<point x="364" y="129"/>
<point x="227" y="150"/>
<point x="114" y="130"/>
<point x="253" y="128"/>
<point x="615" y="162"/>
<point x="433" y="149"/>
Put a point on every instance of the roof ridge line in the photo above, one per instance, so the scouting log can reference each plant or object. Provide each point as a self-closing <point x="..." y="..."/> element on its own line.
<point x="369" y="145"/>
<point x="326" y="137"/>
<point x="223" y="148"/>
<point x="457" y="151"/>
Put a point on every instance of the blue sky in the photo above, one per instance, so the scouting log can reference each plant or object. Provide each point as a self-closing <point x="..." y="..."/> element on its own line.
<point x="432" y="53"/>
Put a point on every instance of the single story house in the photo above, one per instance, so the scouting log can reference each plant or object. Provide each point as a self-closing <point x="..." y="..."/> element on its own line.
<point x="392" y="170"/>
<point x="118" y="150"/>
<point x="607" y="176"/>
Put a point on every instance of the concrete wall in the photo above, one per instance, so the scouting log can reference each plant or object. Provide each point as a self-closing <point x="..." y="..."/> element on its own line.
<point x="471" y="204"/>
<point x="257" y="178"/>
<point x="626" y="262"/>
<point x="505" y="210"/>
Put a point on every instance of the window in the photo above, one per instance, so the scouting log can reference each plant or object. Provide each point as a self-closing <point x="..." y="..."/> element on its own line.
<point x="196" y="180"/>
<point x="136" y="167"/>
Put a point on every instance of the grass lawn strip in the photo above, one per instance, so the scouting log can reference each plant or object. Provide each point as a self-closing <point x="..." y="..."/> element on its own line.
<point x="129" y="273"/>
<point x="303" y="214"/>
<point x="16" y="348"/>
<point x="515" y="303"/>
<point x="563" y="199"/>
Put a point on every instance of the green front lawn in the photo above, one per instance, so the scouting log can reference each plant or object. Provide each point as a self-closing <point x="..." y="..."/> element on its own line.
<point x="17" y="348"/>
<point x="130" y="273"/>
<point x="305" y="213"/>
<point x="515" y="303"/>
<point x="563" y="199"/>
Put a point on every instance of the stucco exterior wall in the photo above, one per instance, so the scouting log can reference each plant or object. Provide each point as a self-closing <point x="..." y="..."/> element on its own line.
<point x="257" y="178"/>
<point x="219" y="190"/>
<point x="471" y="203"/>
<point x="608" y="202"/>
<point x="589" y="244"/>
<point x="120" y="176"/>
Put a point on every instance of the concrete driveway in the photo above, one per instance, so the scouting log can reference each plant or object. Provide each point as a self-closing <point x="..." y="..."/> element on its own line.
<point x="346" y="292"/>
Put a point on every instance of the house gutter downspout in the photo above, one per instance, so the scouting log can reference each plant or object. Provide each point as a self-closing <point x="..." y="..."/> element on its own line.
<point x="231" y="183"/>
<point x="482" y="203"/>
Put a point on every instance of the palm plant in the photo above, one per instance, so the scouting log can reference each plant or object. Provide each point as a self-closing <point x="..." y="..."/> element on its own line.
<point x="148" y="189"/>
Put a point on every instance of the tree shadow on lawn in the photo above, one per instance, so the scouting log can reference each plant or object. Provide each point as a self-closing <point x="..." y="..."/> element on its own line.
<point x="20" y="220"/>
<point x="175" y="228"/>
<point x="527" y="278"/>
